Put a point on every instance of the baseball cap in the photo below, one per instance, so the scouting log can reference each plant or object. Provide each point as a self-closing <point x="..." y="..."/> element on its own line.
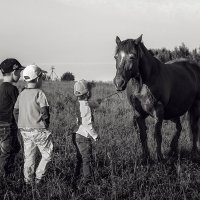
<point x="80" y="88"/>
<point x="31" y="72"/>
<point x="9" y="65"/>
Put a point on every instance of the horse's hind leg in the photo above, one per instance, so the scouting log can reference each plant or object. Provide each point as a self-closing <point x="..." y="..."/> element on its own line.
<point x="158" y="115"/>
<point x="174" y="144"/>
<point x="194" y="114"/>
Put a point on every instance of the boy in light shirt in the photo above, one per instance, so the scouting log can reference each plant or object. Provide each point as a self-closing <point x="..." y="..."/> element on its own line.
<point x="32" y="113"/>
<point x="85" y="133"/>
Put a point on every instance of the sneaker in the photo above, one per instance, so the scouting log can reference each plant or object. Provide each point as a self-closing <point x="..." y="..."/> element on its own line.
<point x="40" y="182"/>
<point x="28" y="182"/>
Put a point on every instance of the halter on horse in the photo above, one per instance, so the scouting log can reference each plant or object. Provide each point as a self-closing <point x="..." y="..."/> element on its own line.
<point x="163" y="91"/>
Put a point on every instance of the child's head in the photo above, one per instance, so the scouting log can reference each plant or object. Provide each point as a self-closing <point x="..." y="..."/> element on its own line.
<point x="81" y="90"/>
<point x="11" y="69"/>
<point x="32" y="74"/>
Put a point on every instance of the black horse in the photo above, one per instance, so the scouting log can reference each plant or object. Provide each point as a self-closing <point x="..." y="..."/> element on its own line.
<point x="163" y="91"/>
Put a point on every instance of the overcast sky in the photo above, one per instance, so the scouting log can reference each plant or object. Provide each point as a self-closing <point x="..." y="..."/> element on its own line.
<point x="79" y="35"/>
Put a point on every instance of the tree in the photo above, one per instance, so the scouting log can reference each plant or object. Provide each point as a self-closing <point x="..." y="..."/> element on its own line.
<point x="180" y="52"/>
<point x="67" y="76"/>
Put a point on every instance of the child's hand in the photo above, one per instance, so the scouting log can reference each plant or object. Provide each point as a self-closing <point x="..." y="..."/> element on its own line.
<point x="97" y="139"/>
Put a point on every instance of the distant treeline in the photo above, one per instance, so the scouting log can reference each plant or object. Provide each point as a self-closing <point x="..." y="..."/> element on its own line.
<point x="182" y="51"/>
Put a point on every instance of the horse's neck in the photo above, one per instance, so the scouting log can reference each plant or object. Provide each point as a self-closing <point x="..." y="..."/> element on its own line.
<point x="148" y="65"/>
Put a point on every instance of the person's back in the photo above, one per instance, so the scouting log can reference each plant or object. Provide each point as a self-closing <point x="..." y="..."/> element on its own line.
<point x="31" y="101"/>
<point x="32" y="113"/>
<point x="8" y="97"/>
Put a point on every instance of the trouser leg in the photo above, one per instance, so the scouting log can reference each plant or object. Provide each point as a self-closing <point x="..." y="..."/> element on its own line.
<point x="46" y="147"/>
<point x="85" y="148"/>
<point x="15" y="149"/>
<point x="9" y="146"/>
<point x="29" y="159"/>
<point x="79" y="160"/>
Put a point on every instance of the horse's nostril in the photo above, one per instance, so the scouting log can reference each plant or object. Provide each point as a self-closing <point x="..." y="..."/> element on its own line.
<point x="119" y="83"/>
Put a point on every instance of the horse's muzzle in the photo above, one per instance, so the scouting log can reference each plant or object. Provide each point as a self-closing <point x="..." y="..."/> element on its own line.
<point x="120" y="84"/>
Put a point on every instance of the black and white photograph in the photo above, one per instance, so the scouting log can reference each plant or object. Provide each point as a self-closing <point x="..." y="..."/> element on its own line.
<point x="99" y="100"/>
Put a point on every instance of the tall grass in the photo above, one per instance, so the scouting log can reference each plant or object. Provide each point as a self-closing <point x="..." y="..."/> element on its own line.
<point x="118" y="172"/>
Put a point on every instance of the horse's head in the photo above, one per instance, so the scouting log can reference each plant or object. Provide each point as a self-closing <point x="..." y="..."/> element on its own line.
<point x="127" y="61"/>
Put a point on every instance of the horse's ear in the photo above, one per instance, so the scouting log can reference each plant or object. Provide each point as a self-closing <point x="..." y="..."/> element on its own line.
<point x="138" y="40"/>
<point x="118" y="41"/>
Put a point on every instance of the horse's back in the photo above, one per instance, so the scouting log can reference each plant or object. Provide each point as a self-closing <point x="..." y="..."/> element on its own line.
<point x="177" y="60"/>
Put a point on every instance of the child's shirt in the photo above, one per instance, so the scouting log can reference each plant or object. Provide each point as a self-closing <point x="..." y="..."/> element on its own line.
<point x="32" y="106"/>
<point x="85" y="121"/>
<point x="8" y="97"/>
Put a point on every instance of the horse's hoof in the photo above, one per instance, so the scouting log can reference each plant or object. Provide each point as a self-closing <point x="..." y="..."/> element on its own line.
<point x="195" y="157"/>
<point x="146" y="161"/>
<point x="173" y="154"/>
<point x="171" y="160"/>
<point x="160" y="159"/>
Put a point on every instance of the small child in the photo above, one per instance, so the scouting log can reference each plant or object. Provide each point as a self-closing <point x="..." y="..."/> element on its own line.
<point x="9" y="143"/>
<point x="82" y="137"/>
<point x="32" y="112"/>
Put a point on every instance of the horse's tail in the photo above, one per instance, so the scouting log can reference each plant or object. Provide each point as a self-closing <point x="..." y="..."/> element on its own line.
<point x="194" y="129"/>
<point x="187" y="118"/>
<point x="187" y="121"/>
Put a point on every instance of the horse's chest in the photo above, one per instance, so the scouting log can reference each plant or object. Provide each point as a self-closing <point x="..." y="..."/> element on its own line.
<point x="145" y="100"/>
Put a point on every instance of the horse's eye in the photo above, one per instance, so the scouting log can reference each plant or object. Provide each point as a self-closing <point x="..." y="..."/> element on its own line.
<point x="131" y="56"/>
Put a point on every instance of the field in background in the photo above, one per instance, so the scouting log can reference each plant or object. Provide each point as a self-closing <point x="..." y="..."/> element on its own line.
<point x="118" y="171"/>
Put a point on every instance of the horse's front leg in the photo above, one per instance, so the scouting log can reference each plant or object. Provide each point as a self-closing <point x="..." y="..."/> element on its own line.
<point x="140" y="120"/>
<point x="158" y="115"/>
<point x="174" y="143"/>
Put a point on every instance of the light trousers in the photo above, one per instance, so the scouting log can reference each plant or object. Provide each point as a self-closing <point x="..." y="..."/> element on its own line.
<point x="36" y="139"/>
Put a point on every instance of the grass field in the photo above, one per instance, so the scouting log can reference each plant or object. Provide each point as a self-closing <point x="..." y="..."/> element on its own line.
<point x="118" y="171"/>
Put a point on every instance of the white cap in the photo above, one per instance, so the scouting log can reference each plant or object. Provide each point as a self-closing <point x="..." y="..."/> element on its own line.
<point x="80" y="88"/>
<point x="31" y="72"/>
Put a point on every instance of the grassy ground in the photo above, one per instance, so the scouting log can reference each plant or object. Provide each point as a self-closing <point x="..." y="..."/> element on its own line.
<point x="118" y="172"/>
